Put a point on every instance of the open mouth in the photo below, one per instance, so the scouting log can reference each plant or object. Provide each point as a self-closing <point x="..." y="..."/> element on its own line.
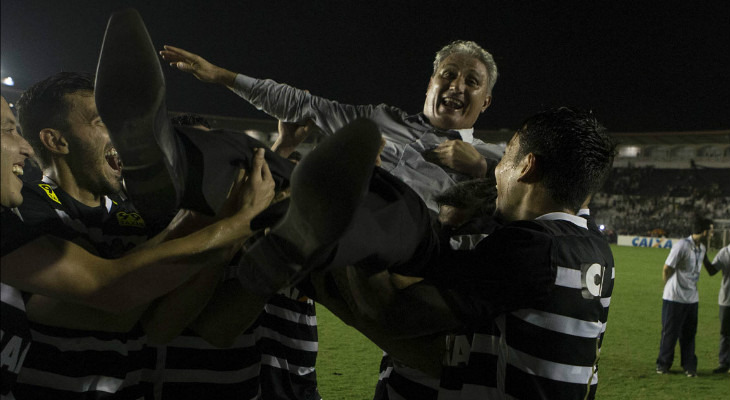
<point x="452" y="103"/>
<point x="112" y="158"/>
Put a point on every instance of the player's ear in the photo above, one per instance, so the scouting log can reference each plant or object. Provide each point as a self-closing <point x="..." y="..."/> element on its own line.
<point x="529" y="168"/>
<point x="54" y="141"/>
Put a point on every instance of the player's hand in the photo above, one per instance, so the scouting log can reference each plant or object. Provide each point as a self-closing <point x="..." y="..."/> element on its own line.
<point x="459" y="156"/>
<point x="258" y="190"/>
<point x="254" y="192"/>
<point x="197" y="66"/>
<point x="291" y="135"/>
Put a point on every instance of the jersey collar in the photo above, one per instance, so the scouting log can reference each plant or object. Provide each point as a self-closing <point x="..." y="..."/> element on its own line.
<point x="574" y="219"/>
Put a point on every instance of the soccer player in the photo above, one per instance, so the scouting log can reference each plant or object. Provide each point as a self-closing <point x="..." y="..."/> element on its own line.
<point x="543" y="274"/>
<point x="14" y="331"/>
<point x="71" y="222"/>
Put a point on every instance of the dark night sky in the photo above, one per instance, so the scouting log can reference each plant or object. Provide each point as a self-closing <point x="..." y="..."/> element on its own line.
<point x="641" y="65"/>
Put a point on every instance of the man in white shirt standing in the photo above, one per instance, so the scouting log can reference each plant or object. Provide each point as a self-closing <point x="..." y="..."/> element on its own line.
<point x="679" y="308"/>
<point x="722" y="263"/>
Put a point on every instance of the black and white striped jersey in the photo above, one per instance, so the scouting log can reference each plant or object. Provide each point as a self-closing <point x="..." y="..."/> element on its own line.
<point x="398" y="381"/>
<point x="14" y="330"/>
<point x="188" y="367"/>
<point x="288" y="342"/>
<point x="14" y="336"/>
<point x="69" y="363"/>
<point x="549" y="347"/>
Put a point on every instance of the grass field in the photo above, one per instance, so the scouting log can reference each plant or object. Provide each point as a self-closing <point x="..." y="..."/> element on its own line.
<point x="347" y="365"/>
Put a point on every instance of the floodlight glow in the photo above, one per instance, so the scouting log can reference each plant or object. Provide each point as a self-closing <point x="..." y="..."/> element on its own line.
<point x="602" y="227"/>
<point x="8" y="81"/>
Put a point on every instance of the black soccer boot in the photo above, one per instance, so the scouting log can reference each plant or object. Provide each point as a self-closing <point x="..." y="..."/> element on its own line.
<point x="327" y="188"/>
<point x="130" y="97"/>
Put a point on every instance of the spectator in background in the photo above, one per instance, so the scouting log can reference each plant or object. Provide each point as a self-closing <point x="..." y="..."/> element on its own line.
<point x="680" y="300"/>
<point x="722" y="263"/>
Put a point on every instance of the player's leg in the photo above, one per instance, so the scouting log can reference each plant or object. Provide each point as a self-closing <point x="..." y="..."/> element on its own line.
<point x="327" y="189"/>
<point x="164" y="167"/>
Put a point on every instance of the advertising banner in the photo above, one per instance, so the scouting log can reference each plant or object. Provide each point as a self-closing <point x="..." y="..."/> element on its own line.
<point x="646" y="241"/>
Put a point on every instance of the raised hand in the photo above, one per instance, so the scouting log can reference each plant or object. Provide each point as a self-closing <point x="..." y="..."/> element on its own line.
<point x="291" y="135"/>
<point x="197" y="66"/>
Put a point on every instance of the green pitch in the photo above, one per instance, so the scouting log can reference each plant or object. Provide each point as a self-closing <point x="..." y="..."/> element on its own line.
<point x="347" y="365"/>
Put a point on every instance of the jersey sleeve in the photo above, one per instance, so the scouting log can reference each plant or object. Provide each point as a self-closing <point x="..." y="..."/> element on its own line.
<point x="15" y="233"/>
<point x="675" y="254"/>
<point x="511" y="269"/>
<point x="722" y="259"/>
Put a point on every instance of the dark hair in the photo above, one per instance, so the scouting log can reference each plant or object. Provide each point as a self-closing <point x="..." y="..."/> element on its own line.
<point x="573" y="151"/>
<point x="700" y="225"/>
<point x="478" y="196"/>
<point x="190" y="119"/>
<point x="43" y="106"/>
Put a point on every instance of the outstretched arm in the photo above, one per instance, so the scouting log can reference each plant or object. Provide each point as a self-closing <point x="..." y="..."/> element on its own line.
<point x="198" y="66"/>
<point x="65" y="271"/>
<point x="423" y="351"/>
<point x="281" y="101"/>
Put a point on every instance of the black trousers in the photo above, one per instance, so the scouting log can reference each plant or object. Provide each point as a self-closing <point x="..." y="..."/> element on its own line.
<point x="214" y="159"/>
<point x="724" y="353"/>
<point x="393" y="226"/>
<point x="679" y="321"/>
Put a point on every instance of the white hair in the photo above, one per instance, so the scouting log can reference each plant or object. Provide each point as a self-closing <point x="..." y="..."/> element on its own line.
<point x="472" y="49"/>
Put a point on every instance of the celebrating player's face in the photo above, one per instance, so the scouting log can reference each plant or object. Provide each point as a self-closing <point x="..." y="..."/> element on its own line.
<point x="92" y="158"/>
<point x="507" y="174"/>
<point x="15" y="150"/>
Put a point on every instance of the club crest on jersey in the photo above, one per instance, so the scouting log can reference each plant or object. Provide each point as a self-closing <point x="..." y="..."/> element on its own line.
<point x="130" y="219"/>
<point x="49" y="191"/>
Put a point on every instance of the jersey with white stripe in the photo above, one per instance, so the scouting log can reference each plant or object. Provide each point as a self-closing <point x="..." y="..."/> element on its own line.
<point x="549" y="346"/>
<point x="398" y="381"/>
<point x="14" y="330"/>
<point x="288" y="342"/>
<point x="188" y="367"/>
<point x="68" y="363"/>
